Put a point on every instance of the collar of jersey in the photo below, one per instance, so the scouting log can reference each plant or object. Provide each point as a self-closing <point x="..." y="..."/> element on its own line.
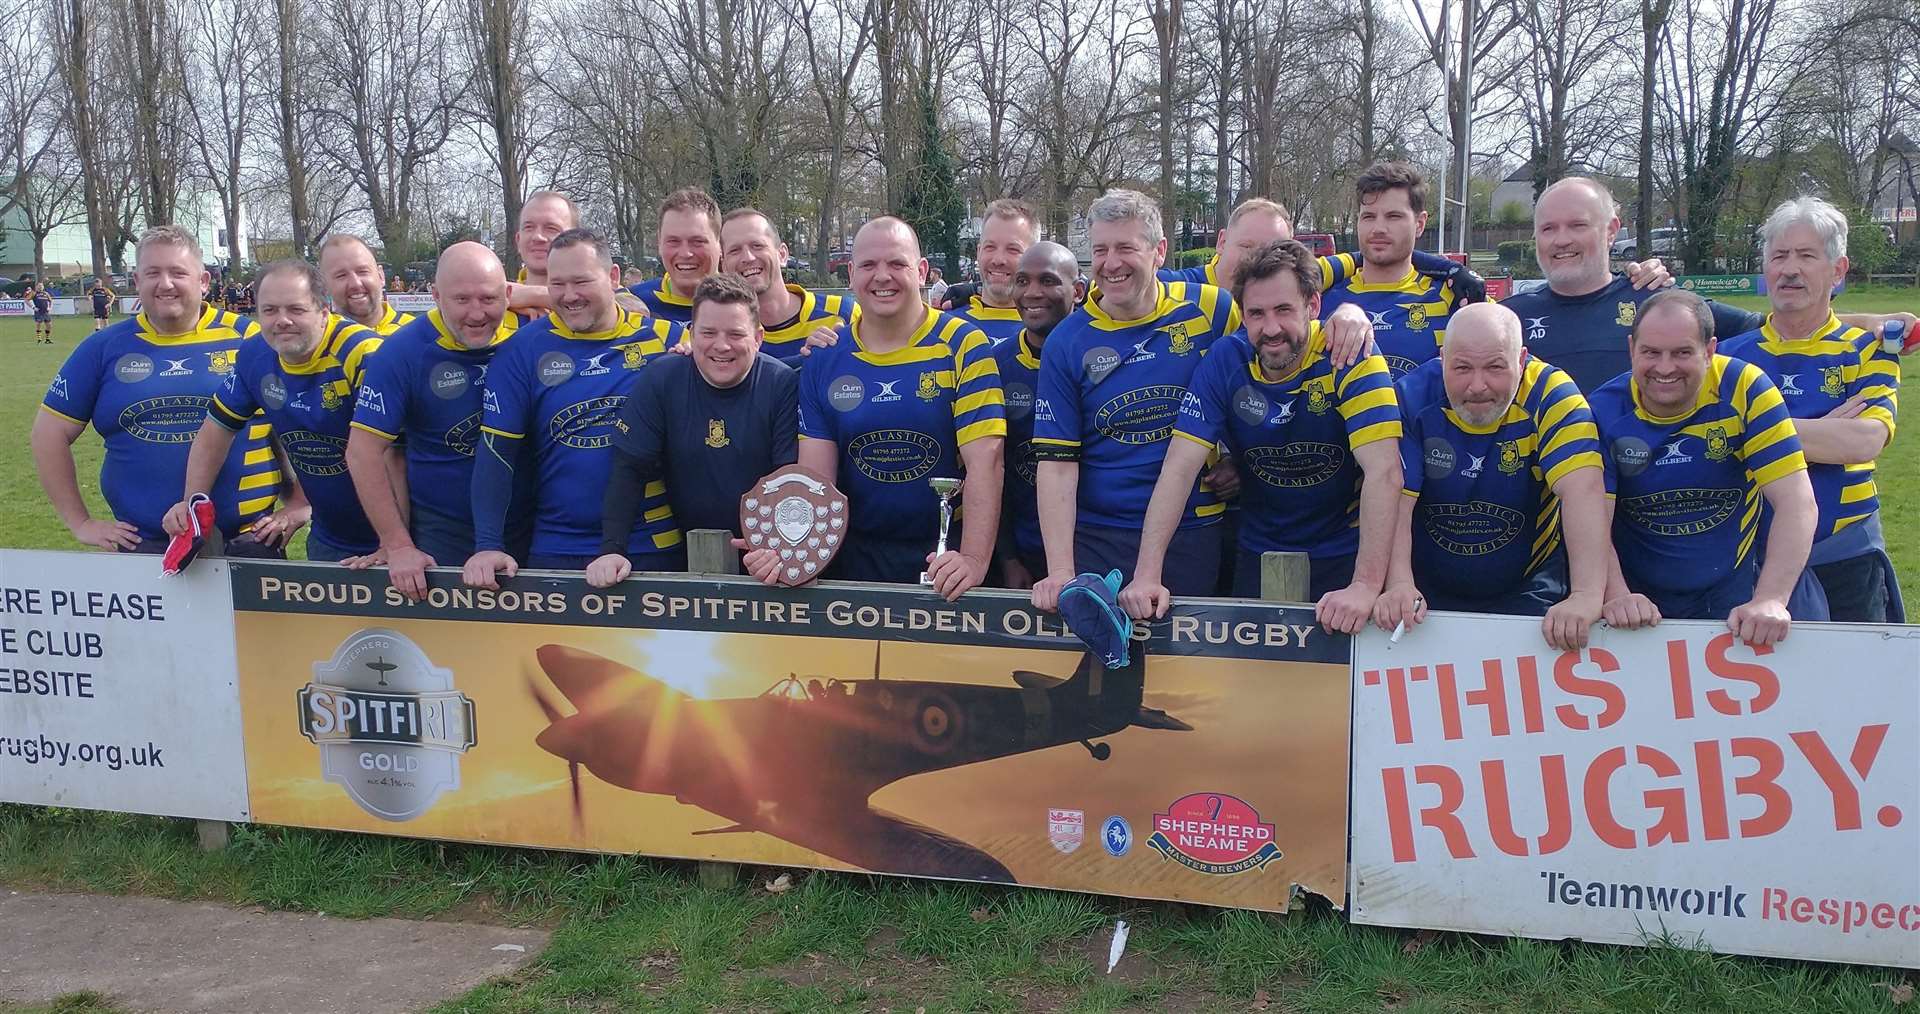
<point x="1709" y="394"/>
<point x="807" y="301"/>
<point x="979" y="310"/>
<point x="339" y="329"/>
<point x="1530" y="370"/>
<point x="208" y="314"/>
<point x="1410" y="283"/>
<point x="451" y="342"/>
<point x="1026" y="354"/>
<point x="665" y="293"/>
<point x="628" y="323"/>
<point x="1826" y="330"/>
<point x="907" y="353"/>
<point x="1167" y="304"/>
<point x="389" y="317"/>
<point x="1316" y="348"/>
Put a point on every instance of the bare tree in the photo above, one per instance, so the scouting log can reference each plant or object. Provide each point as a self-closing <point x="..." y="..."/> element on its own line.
<point x="836" y="37"/>
<point x="73" y="22"/>
<point x="1076" y="106"/>
<point x="226" y="74"/>
<point x="1565" y="47"/>
<point x="496" y="33"/>
<point x="153" y="85"/>
<point x="1167" y="17"/>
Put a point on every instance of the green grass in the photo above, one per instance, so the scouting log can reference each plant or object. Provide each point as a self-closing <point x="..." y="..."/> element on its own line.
<point x="638" y="934"/>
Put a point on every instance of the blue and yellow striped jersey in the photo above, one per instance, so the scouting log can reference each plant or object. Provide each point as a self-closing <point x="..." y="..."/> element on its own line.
<point x="663" y="302"/>
<point x="1687" y="489"/>
<point x="1816" y="375"/>
<point x="900" y="418"/>
<point x="311" y="408"/>
<point x="999" y="322"/>
<point x="1110" y="390"/>
<point x="147" y="394"/>
<point x="1293" y="439"/>
<point x="560" y="391"/>
<point x="1486" y="516"/>
<point x="1409" y="315"/>
<point x="1019" y="365"/>
<point x="391" y="320"/>
<point x="816" y="311"/>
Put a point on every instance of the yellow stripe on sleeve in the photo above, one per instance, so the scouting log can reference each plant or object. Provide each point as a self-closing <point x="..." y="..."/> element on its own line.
<point x="375" y="430"/>
<point x="1572" y="463"/>
<point x="984" y="428"/>
<point x="1365" y="435"/>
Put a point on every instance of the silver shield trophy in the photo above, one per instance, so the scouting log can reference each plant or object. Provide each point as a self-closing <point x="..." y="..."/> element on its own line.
<point x="946" y="489"/>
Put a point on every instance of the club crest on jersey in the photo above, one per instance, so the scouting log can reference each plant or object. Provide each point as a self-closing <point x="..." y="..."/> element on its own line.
<point x="330" y="398"/>
<point x="717" y="433"/>
<point x="1416" y="317"/>
<point x="1179" y="341"/>
<point x="1509" y="456"/>
<point x="1624" y="313"/>
<point x="1317" y="400"/>
<point x="1717" y="446"/>
<point x="633" y="356"/>
<point x="220" y="361"/>
<point x="929" y="388"/>
<point x="1831" y="382"/>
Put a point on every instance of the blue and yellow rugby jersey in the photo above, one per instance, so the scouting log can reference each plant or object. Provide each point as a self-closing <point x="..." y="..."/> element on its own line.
<point x="663" y="302"/>
<point x="900" y="418"/>
<point x="1687" y="489"/>
<point x="1019" y="367"/>
<point x="426" y="386"/>
<point x="1409" y="315"/>
<point x="147" y="395"/>
<point x="1486" y="515"/>
<point x="560" y="391"/>
<point x="1109" y="392"/>
<point x="311" y="409"/>
<point x="1816" y="374"/>
<point x="1293" y="439"/>
<point x="816" y="311"/>
<point x="999" y="322"/>
<point x="391" y="320"/>
<point x="1589" y="336"/>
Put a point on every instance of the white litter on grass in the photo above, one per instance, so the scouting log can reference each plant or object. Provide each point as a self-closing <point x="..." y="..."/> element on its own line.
<point x="515" y="948"/>
<point x="1119" y="945"/>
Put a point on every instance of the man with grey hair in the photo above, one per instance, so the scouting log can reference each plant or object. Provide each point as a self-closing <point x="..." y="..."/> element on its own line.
<point x="357" y="284"/>
<point x="1841" y="385"/>
<point x="303" y="379"/>
<point x="1505" y="509"/>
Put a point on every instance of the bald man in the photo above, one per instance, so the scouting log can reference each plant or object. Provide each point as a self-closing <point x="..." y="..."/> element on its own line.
<point x="1504" y="509"/>
<point x="1046" y="287"/>
<point x="426" y="384"/>
<point x="358" y="284"/>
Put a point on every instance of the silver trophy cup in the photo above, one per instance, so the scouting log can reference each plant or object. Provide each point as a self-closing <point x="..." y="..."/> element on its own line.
<point x="946" y="490"/>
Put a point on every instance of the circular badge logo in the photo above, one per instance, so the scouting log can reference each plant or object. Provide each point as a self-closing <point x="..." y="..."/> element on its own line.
<point x="846" y="393"/>
<point x="1476" y="528"/>
<point x="1250" y="405"/>
<point x="1116" y="836"/>
<point x="315" y="454"/>
<point x="555" y="368"/>
<point x="1143" y="415"/>
<point x="461" y="438"/>
<point x="894" y="455"/>
<point x="448" y="380"/>
<point x="1631" y="455"/>
<point x="1304" y="463"/>
<point x="132" y="368"/>
<point x="1019" y="400"/>
<point x="1439" y="458"/>
<point x="1099" y="362"/>
<point x="273" y="391"/>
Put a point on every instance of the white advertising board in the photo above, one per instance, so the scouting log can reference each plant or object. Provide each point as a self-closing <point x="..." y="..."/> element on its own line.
<point x="60" y="306"/>
<point x="117" y="686"/>
<point x="1668" y="782"/>
<point x="411" y="302"/>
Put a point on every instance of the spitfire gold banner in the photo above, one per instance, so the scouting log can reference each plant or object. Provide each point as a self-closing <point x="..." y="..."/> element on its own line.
<point x="846" y="727"/>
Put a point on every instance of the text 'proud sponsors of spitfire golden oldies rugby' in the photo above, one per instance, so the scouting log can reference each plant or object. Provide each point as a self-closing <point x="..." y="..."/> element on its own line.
<point x="837" y="726"/>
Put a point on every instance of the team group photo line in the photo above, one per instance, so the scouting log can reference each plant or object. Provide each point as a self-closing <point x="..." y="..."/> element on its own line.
<point x="1607" y="447"/>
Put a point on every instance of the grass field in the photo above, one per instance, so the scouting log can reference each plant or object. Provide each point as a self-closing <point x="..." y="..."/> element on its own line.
<point x="637" y="934"/>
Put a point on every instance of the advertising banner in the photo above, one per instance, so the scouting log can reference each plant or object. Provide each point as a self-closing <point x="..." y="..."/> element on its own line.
<point x="411" y="302"/>
<point x="851" y="727"/>
<point x="1721" y="285"/>
<point x="1663" y="783"/>
<point x="116" y="686"/>
<point x="59" y="306"/>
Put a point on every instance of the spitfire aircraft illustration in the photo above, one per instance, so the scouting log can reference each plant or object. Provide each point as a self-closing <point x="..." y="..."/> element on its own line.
<point x="800" y="761"/>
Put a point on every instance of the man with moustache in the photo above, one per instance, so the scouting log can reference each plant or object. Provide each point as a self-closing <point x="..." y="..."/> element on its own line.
<point x="709" y="423"/>
<point x="787" y="313"/>
<point x="689" y="248"/>
<point x="144" y="384"/>
<point x="906" y="394"/>
<point x="426" y="387"/>
<point x="1317" y="445"/>
<point x="357" y="284"/>
<point x="303" y="380"/>
<point x="1046" y="286"/>
<point x="1500" y="456"/>
<point x="552" y="396"/>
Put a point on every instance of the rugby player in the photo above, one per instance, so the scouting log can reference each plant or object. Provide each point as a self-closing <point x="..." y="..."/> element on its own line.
<point x="103" y="298"/>
<point x="1047" y="286"/>
<point x="1007" y="229"/>
<point x="42" y="314"/>
<point x="544" y="215"/>
<point x="1501" y="457"/>
<point x="689" y="248"/>
<point x="787" y="313"/>
<point x="1692" y="441"/>
<point x="357" y="284"/>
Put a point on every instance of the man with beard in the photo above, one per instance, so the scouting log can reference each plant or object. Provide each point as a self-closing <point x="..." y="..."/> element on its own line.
<point x="751" y="248"/>
<point x="689" y="247"/>
<point x="709" y="423"/>
<point x="303" y="380"/>
<point x="1500" y="454"/>
<point x="1317" y="445"/>
<point x="144" y="383"/>
<point x="1693" y="441"/>
<point x="1007" y="230"/>
<point x="1842" y="387"/>
<point x="1047" y="287"/>
<point x="357" y="284"/>
<point x="426" y="386"/>
<point x="555" y="390"/>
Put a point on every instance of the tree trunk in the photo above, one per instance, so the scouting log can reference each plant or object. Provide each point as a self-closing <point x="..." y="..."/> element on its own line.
<point x="292" y="148"/>
<point x="85" y="138"/>
<point x="40" y="256"/>
<point x="1653" y="15"/>
<point x="1222" y="106"/>
<point x="1166" y="30"/>
<point x="150" y="81"/>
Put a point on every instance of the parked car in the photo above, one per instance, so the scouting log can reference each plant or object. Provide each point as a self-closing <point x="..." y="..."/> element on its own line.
<point x="1666" y="240"/>
<point x="1321" y="243"/>
<point x="838" y="262"/>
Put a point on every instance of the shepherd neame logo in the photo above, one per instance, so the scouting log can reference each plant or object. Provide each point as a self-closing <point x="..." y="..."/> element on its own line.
<point x="388" y="722"/>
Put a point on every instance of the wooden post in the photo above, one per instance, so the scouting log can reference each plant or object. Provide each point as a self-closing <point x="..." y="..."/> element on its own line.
<point x="1285" y="577"/>
<point x="710" y="551"/>
<point x="213" y="834"/>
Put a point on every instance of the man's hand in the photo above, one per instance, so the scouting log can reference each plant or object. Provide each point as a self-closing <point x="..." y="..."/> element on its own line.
<point x="1910" y="338"/>
<point x="1760" y="622"/>
<point x="106" y="533"/>
<point x="1649" y="274"/>
<point x="1349" y="336"/>
<point x="1223" y="479"/>
<point x="277" y="528"/>
<point x="1630" y="612"/>
<point x="1849" y="409"/>
<point x="1348" y="609"/>
<point x="482" y="567"/>
<point x="609" y="570"/>
<point x="1046" y="592"/>
<point x="1015" y="573"/>
<point x="1399" y="604"/>
<point x="954" y="573"/>
<point x="821" y="338"/>
<point x="763" y="565"/>
<point x="407" y="571"/>
<point x="377" y="558"/>
<point x="1569" y="621"/>
<point x="1145" y="600"/>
